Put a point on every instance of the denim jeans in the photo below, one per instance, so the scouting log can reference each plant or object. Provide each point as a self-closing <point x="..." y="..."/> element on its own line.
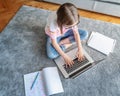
<point x="52" y="52"/>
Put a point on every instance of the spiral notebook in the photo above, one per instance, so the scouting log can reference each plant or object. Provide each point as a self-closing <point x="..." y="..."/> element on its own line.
<point x="101" y="43"/>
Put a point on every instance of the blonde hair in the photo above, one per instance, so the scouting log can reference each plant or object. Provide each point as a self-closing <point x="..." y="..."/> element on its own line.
<point x="67" y="14"/>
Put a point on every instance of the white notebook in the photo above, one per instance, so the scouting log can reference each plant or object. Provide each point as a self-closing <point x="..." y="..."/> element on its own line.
<point x="47" y="82"/>
<point x="101" y="43"/>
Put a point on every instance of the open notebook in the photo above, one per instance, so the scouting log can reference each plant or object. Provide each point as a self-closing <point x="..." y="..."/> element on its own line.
<point x="47" y="82"/>
<point x="101" y="43"/>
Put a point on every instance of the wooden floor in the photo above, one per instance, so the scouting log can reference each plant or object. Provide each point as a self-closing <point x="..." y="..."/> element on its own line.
<point x="12" y="8"/>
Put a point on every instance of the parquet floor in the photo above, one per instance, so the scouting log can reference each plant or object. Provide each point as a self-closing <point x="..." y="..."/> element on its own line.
<point x="14" y="5"/>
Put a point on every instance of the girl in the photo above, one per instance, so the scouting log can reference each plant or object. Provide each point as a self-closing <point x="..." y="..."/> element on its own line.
<point x="62" y="30"/>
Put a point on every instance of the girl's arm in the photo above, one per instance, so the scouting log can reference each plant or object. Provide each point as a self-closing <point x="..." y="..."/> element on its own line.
<point x="66" y="58"/>
<point x="79" y="54"/>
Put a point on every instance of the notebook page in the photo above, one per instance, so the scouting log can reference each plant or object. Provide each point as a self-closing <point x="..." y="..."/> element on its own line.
<point x="101" y="43"/>
<point x="38" y="88"/>
<point x="52" y="79"/>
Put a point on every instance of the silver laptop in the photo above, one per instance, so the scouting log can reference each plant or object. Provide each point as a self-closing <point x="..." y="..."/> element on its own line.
<point x="77" y="68"/>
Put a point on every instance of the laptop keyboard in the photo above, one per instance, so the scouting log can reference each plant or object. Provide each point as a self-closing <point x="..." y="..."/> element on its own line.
<point x="77" y="64"/>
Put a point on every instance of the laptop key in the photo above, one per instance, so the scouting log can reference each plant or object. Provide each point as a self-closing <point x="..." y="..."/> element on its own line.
<point x="77" y="64"/>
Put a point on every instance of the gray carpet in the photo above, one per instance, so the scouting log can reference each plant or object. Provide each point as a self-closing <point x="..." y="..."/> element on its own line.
<point x="22" y="50"/>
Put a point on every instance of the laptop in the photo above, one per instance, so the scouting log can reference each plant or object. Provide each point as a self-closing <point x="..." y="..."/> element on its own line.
<point x="78" y="67"/>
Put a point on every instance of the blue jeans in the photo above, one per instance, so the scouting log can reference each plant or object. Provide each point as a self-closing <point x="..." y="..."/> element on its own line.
<point x="52" y="52"/>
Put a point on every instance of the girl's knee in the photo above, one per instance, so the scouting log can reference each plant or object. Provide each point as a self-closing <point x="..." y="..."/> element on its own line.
<point x="51" y="52"/>
<point x="52" y="56"/>
<point x="83" y="34"/>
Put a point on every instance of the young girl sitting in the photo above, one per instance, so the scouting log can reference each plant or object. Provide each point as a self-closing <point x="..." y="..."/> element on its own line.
<point x="62" y="30"/>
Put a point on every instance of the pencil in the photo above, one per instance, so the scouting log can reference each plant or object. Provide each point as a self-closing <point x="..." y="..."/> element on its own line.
<point x="34" y="81"/>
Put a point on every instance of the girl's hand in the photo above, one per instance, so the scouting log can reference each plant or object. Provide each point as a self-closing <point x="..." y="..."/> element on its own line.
<point x="68" y="61"/>
<point x="80" y="55"/>
<point x="75" y="28"/>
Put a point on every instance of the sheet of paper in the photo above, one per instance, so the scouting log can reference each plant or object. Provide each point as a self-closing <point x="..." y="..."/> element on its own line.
<point x="52" y="79"/>
<point x="101" y="43"/>
<point x="38" y="88"/>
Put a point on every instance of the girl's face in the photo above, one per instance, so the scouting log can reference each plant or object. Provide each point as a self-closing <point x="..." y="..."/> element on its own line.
<point x="71" y="26"/>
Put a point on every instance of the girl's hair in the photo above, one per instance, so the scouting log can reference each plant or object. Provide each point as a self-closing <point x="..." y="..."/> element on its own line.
<point x="67" y="14"/>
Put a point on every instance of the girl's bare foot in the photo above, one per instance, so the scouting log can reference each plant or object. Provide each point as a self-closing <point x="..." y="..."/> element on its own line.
<point x="65" y="41"/>
<point x="67" y="45"/>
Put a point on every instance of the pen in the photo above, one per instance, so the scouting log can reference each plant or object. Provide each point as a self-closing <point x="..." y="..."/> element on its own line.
<point x="34" y="81"/>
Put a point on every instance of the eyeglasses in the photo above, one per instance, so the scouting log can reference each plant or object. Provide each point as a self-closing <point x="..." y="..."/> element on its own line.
<point x="70" y="27"/>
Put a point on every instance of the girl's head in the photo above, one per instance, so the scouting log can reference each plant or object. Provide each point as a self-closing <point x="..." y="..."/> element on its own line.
<point x="67" y="15"/>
